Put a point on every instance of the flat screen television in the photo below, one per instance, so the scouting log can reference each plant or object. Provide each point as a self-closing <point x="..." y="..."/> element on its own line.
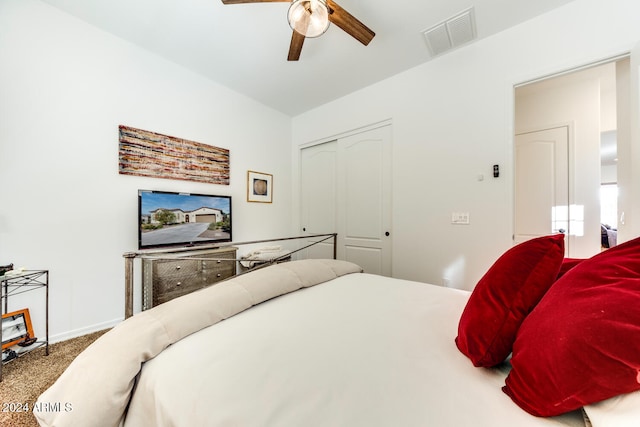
<point x="168" y="219"/>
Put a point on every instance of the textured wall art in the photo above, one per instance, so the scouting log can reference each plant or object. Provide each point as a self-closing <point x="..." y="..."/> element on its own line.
<point x="145" y="153"/>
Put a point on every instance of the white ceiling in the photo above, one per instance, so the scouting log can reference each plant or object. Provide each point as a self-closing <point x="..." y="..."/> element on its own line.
<point x="245" y="46"/>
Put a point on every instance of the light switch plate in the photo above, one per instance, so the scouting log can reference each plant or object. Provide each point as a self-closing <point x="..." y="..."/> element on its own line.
<point x="460" y="218"/>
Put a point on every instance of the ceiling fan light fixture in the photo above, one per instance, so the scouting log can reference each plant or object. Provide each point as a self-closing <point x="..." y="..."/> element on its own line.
<point x="309" y="17"/>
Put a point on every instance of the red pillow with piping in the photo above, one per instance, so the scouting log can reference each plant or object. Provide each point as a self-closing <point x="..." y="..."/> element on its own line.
<point x="504" y="297"/>
<point x="581" y="344"/>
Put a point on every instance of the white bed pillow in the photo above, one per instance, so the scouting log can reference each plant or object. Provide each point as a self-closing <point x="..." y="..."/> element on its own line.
<point x="619" y="411"/>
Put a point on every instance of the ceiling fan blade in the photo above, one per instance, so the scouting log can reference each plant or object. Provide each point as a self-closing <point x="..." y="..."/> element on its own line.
<point x="297" y="40"/>
<point x="349" y="23"/>
<point x="254" y="1"/>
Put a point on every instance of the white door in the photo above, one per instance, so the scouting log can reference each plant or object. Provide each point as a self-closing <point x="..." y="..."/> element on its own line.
<point x="364" y="200"/>
<point x="542" y="184"/>
<point x="346" y="188"/>
<point x="318" y="175"/>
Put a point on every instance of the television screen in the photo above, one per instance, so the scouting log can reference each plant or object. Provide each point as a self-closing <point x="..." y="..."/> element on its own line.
<point x="182" y="219"/>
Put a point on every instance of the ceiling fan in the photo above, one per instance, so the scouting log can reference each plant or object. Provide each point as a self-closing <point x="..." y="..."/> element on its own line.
<point x="310" y="18"/>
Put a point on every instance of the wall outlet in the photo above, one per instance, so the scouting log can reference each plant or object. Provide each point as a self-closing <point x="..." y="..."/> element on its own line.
<point x="460" y="218"/>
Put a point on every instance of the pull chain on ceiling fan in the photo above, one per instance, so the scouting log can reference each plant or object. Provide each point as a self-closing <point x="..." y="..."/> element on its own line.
<point x="310" y="18"/>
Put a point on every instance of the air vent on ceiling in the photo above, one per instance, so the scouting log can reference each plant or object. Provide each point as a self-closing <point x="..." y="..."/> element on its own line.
<point x="451" y="33"/>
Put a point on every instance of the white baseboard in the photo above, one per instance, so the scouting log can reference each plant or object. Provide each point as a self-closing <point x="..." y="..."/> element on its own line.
<point x="83" y="331"/>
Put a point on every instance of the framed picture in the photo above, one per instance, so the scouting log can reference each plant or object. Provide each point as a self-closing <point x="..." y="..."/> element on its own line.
<point x="16" y="328"/>
<point x="259" y="187"/>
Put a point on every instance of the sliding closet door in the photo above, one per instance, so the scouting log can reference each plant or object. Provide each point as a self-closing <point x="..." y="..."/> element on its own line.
<point x="346" y="189"/>
<point x="318" y="175"/>
<point x="364" y="200"/>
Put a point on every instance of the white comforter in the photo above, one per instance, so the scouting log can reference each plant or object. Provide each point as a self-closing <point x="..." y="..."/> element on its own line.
<point x="358" y="350"/>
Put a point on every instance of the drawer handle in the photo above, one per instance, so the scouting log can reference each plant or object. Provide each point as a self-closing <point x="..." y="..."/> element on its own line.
<point x="219" y="275"/>
<point x="179" y="283"/>
<point x="219" y="261"/>
<point x="177" y="267"/>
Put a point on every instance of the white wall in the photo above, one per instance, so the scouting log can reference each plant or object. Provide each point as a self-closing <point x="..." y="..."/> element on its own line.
<point x="64" y="89"/>
<point x="453" y="119"/>
<point x="66" y="86"/>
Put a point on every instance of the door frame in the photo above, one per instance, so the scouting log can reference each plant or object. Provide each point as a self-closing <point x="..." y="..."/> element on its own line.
<point x="344" y="134"/>
<point x="512" y="136"/>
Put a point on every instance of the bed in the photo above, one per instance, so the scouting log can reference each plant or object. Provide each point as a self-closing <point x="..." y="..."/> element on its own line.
<point x="307" y="343"/>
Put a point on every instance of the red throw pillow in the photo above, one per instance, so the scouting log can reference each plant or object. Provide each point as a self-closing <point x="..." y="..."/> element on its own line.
<point x="581" y="344"/>
<point x="504" y="297"/>
<point x="568" y="264"/>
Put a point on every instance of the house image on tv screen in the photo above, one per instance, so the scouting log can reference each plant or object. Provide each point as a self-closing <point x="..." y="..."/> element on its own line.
<point x="182" y="219"/>
<point x="203" y="214"/>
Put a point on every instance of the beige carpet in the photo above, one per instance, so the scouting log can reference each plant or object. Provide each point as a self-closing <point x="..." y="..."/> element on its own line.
<point x="25" y="378"/>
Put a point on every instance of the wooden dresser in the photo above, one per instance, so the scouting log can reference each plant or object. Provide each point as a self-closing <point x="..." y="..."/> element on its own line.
<point x="166" y="279"/>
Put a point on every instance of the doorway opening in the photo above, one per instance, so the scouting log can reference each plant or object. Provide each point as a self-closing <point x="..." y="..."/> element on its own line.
<point x="579" y="191"/>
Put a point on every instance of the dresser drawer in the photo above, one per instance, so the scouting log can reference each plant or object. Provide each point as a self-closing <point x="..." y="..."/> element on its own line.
<point x="219" y="272"/>
<point x="166" y="290"/>
<point x="179" y="269"/>
<point x="175" y="284"/>
<point x="166" y="279"/>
